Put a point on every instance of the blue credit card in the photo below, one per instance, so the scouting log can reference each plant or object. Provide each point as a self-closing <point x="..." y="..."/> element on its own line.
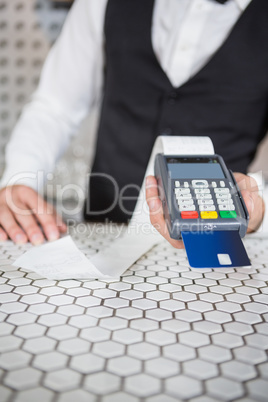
<point x="215" y="249"/>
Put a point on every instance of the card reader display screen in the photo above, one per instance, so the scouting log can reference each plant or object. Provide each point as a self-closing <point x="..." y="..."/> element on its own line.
<point x="194" y="168"/>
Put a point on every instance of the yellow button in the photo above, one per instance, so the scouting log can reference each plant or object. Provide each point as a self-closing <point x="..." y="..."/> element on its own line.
<point x="209" y="215"/>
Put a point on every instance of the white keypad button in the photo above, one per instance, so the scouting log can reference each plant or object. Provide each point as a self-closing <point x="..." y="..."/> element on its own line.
<point x="202" y="191"/>
<point x="224" y="200"/>
<point x="226" y="207"/>
<point x="182" y="191"/>
<point x="214" y="184"/>
<point x="177" y="183"/>
<point x="223" y="196"/>
<point x="221" y="190"/>
<point x="205" y="202"/>
<point x="199" y="183"/>
<point x="207" y="208"/>
<point x="185" y="202"/>
<point x="203" y="196"/>
<point x="187" y="208"/>
<point x="222" y="183"/>
<point x="183" y="196"/>
<point x="186" y="184"/>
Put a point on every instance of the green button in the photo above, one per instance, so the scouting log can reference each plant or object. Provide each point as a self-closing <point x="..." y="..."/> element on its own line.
<point x="228" y="214"/>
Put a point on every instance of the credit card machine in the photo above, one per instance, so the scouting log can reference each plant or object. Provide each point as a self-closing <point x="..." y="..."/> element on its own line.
<point x="203" y="206"/>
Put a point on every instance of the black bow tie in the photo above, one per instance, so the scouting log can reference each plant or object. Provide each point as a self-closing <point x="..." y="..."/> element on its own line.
<point x="221" y="1"/>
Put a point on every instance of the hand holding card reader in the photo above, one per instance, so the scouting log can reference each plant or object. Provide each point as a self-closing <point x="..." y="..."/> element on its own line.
<point x="203" y="206"/>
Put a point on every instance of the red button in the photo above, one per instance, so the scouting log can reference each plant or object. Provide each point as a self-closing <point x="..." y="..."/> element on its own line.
<point x="189" y="214"/>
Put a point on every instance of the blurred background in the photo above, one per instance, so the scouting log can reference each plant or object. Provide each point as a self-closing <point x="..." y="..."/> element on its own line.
<point x="28" y="29"/>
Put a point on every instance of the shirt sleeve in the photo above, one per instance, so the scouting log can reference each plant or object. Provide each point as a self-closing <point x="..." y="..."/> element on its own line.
<point x="70" y="83"/>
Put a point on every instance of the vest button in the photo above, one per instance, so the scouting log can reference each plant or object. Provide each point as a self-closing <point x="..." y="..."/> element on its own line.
<point x="172" y="97"/>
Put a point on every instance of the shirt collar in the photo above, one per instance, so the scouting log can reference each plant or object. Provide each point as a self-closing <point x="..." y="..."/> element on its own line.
<point x="242" y="4"/>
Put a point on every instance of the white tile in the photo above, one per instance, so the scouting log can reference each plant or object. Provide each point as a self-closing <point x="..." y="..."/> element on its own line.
<point x="104" y="293"/>
<point x="127" y="336"/>
<point x="124" y="366"/>
<point x="142" y="385"/>
<point x="23" y="378"/>
<point x="224" y="389"/>
<point x="78" y="292"/>
<point x="76" y="395"/>
<point x="172" y="305"/>
<point x="119" y="397"/>
<point x="194" y="339"/>
<point x="26" y="290"/>
<point x="220" y="289"/>
<point x="116" y="303"/>
<point x="158" y="314"/>
<point x="227" y="340"/>
<point x="43" y="308"/>
<point x="179" y="352"/>
<point x="131" y="294"/>
<point x="129" y="313"/>
<point x="50" y="361"/>
<point x="238" y="328"/>
<point x="61" y="300"/>
<point x="87" y="363"/>
<point x="102" y="383"/>
<point x="160" y="337"/>
<point x="247" y="317"/>
<point x="238" y="371"/>
<point x="70" y="310"/>
<point x="200" y="369"/>
<point x="263" y="370"/>
<point x="82" y="321"/>
<point x="250" y="355"/>
<point x="183" y="387"/>
<point x="144" y="287"/>
<point x="170" y="287"/>
<point x="258" y="341"/>
<point x="51" y="291"/>
<point x="99" y="311"/>
<point x="21" y="318"/>
<point x="68" y="284"/>
<point x="144" y="304"/>
<point x="214" y="354"/>
<point x="218" y="317"/>
<point x="74" y="346"/>
<point x="228" y="307"/>
<point x="261" y="328"/>
<point x="162" y="367"/>
<point x="143" y="351"/>
<point x="14" y="360"/>
<point x="257" y="389"/>
<point x="34" y="394"/>
<point x="62" y="380"/>
<point x="9" y="343"/>
<point x="8" y="297"/>
<point x="255" y="307"/>
<point x="11" y="308"/>
<point x="188" y="315"/>
<point x="207" y="327"/>
<point x="51" y="320"/>
<point x="184" y="296"/>
<point x="144" y="324"/>
<point x="175" y="326"/>
<point x="119" y="286"/>
<point x="95" y="334"/>
<point x="61" y="332"/>
<point x="200" y="306"/>
<point x="113" y="323"/>
<point x="211" y="297"/>
<point x="196" y="289"/>
<point x="39" y="345"/>
<point x="108" y="349"/>
<point x="6" y="329"/>
<point x="33" y="299"/>
<point x="30" y="331"/>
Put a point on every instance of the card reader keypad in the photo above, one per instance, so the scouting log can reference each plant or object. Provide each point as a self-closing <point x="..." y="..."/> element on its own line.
<point x="209" y="200"/>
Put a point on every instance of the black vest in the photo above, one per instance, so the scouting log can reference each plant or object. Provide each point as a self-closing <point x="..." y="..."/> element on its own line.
<point x="226" y="100"/>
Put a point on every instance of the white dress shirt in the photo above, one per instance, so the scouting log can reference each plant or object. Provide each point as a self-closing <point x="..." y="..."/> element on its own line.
<point x="185" y="35"/>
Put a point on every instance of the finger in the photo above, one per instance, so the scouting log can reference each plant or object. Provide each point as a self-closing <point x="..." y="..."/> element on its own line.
<point x="30" y="227"/>
<point x="156" y="212"/>
<point x="44" y="213"/>
<point x="11" y="227"/>
<point x="3" y="235"/>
